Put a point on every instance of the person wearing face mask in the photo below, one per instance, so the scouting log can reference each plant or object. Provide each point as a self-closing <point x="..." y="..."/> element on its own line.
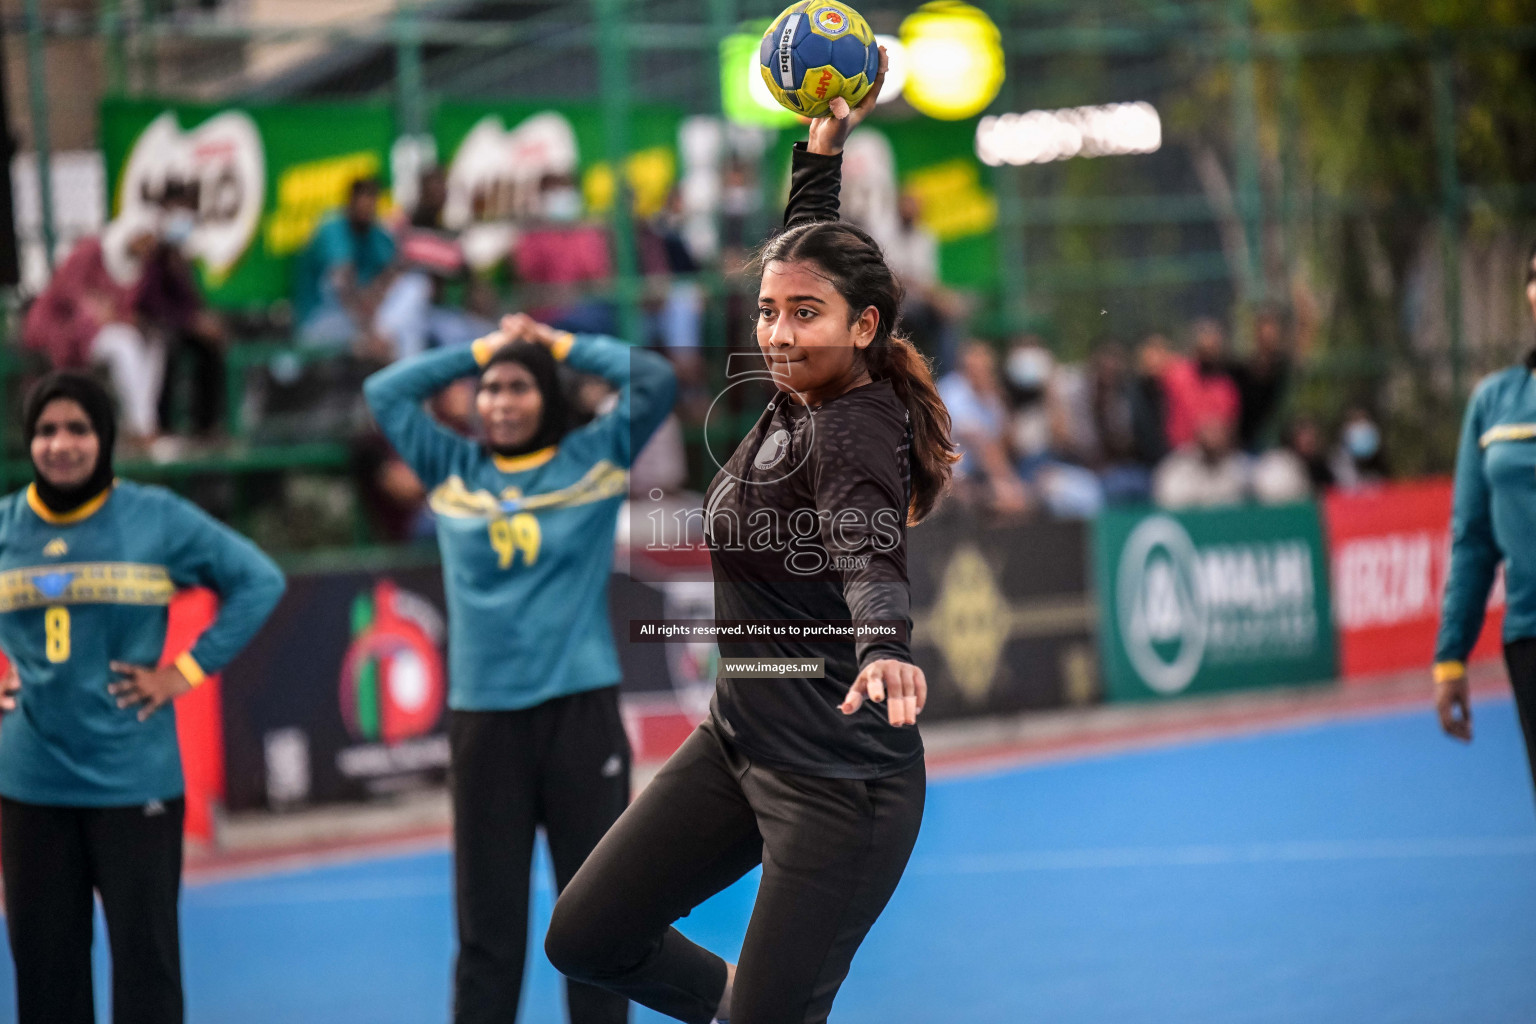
<point x="1493" y="520"/>
<point x="559" y="257"/>
<point x="1358" y="461"/>
<point x="169" y="305"/>
<point x="85" y="316"/>
<point x="90" y="770"/>
<point x="525" y="523"/>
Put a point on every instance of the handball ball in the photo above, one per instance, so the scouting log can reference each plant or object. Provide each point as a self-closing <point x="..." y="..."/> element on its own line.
<point x="817" y="50"/>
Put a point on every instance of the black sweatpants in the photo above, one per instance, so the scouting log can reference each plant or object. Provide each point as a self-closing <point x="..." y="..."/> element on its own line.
<point x="53" y="858"/>
<point x="832" y="851"/>
<point x="563" y="764"/>
<point x="1520" y="659"/>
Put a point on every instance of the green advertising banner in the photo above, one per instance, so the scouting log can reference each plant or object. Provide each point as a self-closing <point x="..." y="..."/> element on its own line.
<point x="1192" y="602"/>
<point x="496" y="155"/>
<point x="263" y="176"/>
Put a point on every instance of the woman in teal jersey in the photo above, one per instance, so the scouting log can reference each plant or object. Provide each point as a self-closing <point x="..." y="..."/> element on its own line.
<point x="1494" y="519"/>
<point x="90" y="771"/>
<point x="525" y="522"/>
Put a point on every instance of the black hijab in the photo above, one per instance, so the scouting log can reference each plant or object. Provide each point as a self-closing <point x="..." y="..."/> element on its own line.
<point x="556" y="419"/>
<point x="93" y="398"/>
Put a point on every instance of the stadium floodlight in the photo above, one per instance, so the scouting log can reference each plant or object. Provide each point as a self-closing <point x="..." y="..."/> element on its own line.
<point x="955" y="62"/>
<point x="1042" y="136"/>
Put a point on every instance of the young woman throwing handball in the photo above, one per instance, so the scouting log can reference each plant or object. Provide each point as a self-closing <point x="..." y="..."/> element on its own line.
<point x="818" y="779"/>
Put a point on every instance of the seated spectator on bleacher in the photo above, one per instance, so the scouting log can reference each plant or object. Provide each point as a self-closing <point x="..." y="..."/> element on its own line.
<point x="415" y="313"/>
<point x="561" y="256"/>
<point x="1094" y="423"/>
<point x="1304" y="439"/>
<point x="1200" y="387"/>
<point x="979" y="423"/>
<point x="1358" y="461"/>
<point x="1278" y="477"/>
<point x="1039" y="433"/>
<point x="85" y="316"/>
<point x="170" y="308"/>
<point x="1206" y="472"/>
<point x="342" y="277"/>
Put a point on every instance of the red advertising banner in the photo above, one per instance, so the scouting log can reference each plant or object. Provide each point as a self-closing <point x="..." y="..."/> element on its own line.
<point x="1390" y="552"/>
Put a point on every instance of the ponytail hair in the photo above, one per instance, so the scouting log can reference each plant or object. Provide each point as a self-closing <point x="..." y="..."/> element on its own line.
<point x="851" y="260"/>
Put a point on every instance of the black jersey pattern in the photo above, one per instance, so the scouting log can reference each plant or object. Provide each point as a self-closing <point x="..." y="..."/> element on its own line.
<point x="807" y="522"/>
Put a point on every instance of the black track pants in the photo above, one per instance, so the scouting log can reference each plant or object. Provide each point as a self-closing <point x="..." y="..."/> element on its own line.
<point x="563" y="764"/>
<point x="832" y="851"/>
<point x="1520" y="659"/>
<point x="54" y="858"/>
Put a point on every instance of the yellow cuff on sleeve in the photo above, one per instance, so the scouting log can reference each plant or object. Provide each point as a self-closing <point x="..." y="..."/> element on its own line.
<point x="1445" y="671"/>
<point x="562" y="348"/>
<point x="484" y="348"/>
<point x="190" y="668"/>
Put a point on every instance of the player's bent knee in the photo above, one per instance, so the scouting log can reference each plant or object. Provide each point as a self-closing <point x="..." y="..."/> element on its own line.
<point x="576" y="946"/>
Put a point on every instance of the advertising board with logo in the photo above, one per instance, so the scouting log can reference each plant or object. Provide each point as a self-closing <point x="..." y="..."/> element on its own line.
<point x="342" y="695"/>
<point x="259" y="177"/>
<point x="1192" y="602"/>
<point x="1002" y="619"/>
<point x="1391" y="548"/>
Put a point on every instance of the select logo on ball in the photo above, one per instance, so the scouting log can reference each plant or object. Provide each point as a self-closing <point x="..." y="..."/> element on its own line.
<point x="392" y="679"/>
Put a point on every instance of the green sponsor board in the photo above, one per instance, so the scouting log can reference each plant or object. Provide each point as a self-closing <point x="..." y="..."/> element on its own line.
<point x="263" y="177"/>
<point x="496" y="155"/>
<point x="1192" y="602"/>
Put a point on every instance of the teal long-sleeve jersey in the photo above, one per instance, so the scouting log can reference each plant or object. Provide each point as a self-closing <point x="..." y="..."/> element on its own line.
<point x="1494" y="515"/>
<point x="527" y="542"/>
<point x="81" y="590"/>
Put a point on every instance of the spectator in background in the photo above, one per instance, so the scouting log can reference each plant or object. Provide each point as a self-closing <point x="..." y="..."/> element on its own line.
<point x="979" y="422"/>
<point x="1041" y="438"/>
<point x="1279" y="477"/>
<point x="1261" y="380"/>
<point x="1206" y="472"/>
<point x="1305" y="440"/>
<point x="342" y="277"/>
<point x="85" y="316"/>
<point x="394" y="501"/>
<point x="1358" y="461"/>
<point x="1094" y="423"/>
<point x="676" y="300"/>
<point x="1149" y="402"/>
<point x="912" y="252"/>
<point x="1200" y="388"/>
<point x="170" y="308"/>
<point x="560" y="257"/>
<point x="414" y="311"/>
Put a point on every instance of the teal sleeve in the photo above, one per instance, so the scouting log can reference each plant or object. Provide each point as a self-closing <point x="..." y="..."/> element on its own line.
<point x="1474" y="552"/>
<point x="204" y="552"/>
<point x="395" y="396"/>
<point x="646" y="386"/>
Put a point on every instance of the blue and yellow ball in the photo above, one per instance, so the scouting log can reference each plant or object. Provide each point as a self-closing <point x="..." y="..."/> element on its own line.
<point x="817" y="50"/>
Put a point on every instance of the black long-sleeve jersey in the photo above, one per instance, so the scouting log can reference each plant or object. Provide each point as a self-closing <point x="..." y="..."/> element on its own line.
<point x="807" y="522"/>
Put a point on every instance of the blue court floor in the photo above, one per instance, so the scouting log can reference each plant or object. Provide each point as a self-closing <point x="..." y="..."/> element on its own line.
<point x="1362" y="871"/>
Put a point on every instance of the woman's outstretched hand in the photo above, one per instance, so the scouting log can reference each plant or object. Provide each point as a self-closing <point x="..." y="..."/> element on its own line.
<point x="828" y="133"/>
<point x="901" y="687"/>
